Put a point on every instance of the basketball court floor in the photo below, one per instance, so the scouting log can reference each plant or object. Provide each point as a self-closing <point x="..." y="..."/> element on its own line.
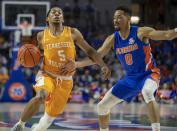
<point x="83" y="117"/>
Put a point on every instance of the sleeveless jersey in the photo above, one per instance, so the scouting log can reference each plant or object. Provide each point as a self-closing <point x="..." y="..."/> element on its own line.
<point x="134" y="55"/>
<point x="56" y="49"/>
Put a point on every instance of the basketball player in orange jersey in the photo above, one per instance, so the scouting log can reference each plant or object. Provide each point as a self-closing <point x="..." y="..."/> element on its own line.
<point x="132" y="48"/>
<point x="57" y="42"/>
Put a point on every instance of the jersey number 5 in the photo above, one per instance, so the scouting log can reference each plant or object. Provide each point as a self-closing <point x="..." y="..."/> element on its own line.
<point x="128" y="59"/>
<point x="62" y="56"/>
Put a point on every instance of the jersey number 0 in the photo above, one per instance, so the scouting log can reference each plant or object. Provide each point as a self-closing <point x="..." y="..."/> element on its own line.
<point x="128" y="59"/>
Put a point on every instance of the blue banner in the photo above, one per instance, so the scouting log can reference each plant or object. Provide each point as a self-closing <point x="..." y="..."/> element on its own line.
<point x="16" y="89"/>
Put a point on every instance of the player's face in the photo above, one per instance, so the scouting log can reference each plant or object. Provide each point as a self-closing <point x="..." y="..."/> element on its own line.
<point x="120" y="19"/>
<point x="55" y="16"/>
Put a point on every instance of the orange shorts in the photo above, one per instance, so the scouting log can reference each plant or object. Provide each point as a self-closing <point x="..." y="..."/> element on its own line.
<point x="59" y="90"/>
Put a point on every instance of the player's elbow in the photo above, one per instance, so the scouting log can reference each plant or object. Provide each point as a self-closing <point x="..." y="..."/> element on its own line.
<point x="168" y="37"/>
<point x="101" y="54"/>
<point x="92" y="53"/>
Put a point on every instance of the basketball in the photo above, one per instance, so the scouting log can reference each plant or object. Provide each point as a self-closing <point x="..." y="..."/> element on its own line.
<point x="29" y="55"/>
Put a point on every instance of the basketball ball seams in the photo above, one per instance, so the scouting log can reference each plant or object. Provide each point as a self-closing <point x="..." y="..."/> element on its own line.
<point x="20" y="52"/>
<point x="24" y="56"/>
<point x="35" y="50"/>
<point x="30" y="54"/>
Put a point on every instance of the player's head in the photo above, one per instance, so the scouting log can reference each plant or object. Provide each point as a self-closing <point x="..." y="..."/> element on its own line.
<point x="55" y="16"/>
<point x="122" y="17"/>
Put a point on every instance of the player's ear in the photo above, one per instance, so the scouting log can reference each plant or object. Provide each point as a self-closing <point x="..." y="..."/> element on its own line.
<point x="129" y="18"/>
<point x="47" y="19"/>
<point x="63" y="18"/>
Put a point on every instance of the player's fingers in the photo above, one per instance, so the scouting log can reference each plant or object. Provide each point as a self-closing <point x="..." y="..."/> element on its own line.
<point x="62" y="71"/>
<point x="68" y="59"/>
<point x="109" y="75"/>
<point x="61" y="68"/>
<point x="65" y="72"/>
<point x="104" y="75"/>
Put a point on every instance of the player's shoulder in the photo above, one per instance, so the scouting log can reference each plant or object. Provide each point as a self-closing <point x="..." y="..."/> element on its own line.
<point x="111" y="37"/>
<point x="40" y="35"/>
<point x="74" y="30"/>
<point x="143" y="32"/>
<point x="76" y="34"/>
<point x="109" y="40"/>
<point x="145" y="29"/>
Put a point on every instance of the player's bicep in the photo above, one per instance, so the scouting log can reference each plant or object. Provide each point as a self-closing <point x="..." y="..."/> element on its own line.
<point x="84" y="45"/>
<point x="80" y="41"/>
<point x="156" y="35"/>
<point x="153" y="34"/>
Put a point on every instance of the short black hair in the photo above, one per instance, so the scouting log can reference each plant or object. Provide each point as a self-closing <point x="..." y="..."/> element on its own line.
<point x="126" y="10"/>
<point x="48" y="15"/>
<point x="48" y="12"/>
<point x="51" y="9"/>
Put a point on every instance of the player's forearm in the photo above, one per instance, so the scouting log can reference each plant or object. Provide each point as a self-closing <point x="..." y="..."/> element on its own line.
<point x="171" y="34"/>
<point x="83" y="63"/>
<point x="160" y="35"/>
<point x="95" y="57"/>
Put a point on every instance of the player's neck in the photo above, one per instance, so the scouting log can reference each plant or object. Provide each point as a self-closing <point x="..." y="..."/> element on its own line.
<point x="124" y="32"/>
<point x="56" y="30"/>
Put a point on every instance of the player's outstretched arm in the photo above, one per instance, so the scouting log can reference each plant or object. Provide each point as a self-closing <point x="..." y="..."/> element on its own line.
<point x="103" y="50"/>
<point x="147" y="32"/>
<point x="91" y="53"/>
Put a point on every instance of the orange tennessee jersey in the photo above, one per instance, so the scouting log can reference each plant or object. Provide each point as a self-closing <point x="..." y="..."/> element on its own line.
<point x="56" y="49"/>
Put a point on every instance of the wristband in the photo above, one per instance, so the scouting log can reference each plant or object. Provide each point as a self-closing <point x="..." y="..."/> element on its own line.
<point x="175" y="30"/>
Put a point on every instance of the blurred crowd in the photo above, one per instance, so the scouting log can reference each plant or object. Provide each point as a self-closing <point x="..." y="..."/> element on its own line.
<point x="89" y="85"/>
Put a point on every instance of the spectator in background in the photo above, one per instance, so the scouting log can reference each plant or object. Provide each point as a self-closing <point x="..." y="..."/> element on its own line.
<point x="108" y="22"/>
<point x="166" y="93"/>
<point x="4" y="46"/>
<point x="3" y="72"/>
<point x="3" y="64"/>
<point x="76" y="13"/>
<point x="76" y="95"/>
<point x="86" y="78"/>
<point x="67" y="16"/>
<point x="90" y="13"/>
<point x="94" y="93"/>
<point x="85" y="94"/>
